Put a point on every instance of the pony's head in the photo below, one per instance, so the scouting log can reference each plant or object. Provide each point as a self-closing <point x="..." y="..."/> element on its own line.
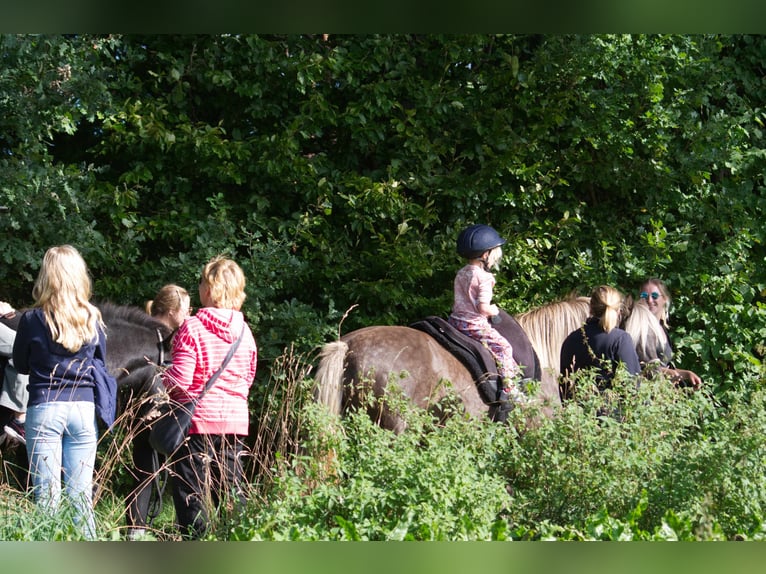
<point x="136" y="343"/>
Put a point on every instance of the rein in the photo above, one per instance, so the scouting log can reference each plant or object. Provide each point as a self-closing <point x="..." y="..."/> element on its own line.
<point x="160" y="475"/>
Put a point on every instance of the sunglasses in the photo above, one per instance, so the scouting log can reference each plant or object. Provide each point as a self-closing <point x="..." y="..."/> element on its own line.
<point x="644" y="295"/>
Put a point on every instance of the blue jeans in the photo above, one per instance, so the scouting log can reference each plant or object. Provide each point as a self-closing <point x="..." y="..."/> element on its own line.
<point x="61" y="443"/>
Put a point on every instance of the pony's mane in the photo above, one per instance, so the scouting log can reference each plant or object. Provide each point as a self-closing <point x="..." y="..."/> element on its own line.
<point x="112" y="313"/>
<point x="647" y="333"/>
<point x="549" y="325"/>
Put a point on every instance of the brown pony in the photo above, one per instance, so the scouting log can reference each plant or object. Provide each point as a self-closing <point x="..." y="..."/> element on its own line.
<point x="370" y="360"/>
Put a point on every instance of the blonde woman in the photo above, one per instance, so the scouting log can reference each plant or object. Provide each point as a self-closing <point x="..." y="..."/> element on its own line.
<point x="56" y="344"/>
<point x="600" y="342"/>
<point x="656" y="295"/>
<point x="207" y="469"/>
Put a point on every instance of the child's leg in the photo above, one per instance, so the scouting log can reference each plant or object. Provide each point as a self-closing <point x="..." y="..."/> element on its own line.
<point x="501" y="350"/>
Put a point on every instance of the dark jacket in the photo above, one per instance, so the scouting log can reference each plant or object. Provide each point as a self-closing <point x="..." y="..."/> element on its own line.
<point x="55" y="374"/>
<point x="104" y="393"/>
<point x="603" y="350"/>
<point x="666" y="354"/>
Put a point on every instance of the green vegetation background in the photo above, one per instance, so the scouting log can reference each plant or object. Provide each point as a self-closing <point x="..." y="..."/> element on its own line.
<point x="338" y="170"/>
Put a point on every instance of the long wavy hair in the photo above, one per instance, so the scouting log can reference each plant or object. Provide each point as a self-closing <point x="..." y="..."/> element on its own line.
<point x="63" y="290"/>
<point x="646" y="331"/>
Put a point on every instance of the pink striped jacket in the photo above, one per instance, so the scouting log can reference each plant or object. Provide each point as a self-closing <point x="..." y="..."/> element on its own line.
<point x="199" y="348"/>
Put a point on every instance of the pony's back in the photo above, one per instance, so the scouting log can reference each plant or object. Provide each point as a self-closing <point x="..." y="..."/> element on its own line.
<point x="549" y="325"/>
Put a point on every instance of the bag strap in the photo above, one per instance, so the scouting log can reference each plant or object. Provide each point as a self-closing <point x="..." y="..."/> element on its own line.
<point x="225" y="362"/>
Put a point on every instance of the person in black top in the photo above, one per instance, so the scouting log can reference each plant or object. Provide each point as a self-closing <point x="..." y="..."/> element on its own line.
<point x="600" y="343"/>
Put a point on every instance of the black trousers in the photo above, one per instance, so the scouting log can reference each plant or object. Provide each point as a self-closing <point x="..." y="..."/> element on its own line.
<point x="207" y="477"/>
<point x="147" y="464"/>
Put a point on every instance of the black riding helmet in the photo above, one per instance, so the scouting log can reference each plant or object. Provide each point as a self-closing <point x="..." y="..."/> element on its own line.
<point x="476" y="239"/>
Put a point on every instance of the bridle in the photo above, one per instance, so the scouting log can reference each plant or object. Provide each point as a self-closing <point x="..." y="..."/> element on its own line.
<point x="161" y="347"/>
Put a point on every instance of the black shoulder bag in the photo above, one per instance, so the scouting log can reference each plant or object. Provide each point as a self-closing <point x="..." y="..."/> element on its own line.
<point x="168" y="431"/>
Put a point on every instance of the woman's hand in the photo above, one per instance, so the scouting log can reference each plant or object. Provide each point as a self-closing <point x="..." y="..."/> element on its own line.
<point x="684" y="375"/>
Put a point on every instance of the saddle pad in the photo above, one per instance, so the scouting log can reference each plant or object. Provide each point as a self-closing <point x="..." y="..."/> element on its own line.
<point x="472" y="354"/>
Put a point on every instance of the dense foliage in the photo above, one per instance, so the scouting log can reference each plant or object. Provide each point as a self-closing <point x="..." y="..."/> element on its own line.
<point x="653" y="463"/>
<point x="338" y="170"/>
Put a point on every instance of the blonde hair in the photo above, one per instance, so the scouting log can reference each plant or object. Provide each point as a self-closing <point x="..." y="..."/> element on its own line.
<point x="226" y="281"/>
<point x="645" y="329"/>
<point x="606" y="305"/>
<point x="169" y="298"/>
<point x="494" y="257"/>
<point x="63" y="290"/>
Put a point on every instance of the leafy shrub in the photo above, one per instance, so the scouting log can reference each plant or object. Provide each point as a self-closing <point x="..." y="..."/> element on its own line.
<point x="658" y="458"/>
<point x="431" y="482"/>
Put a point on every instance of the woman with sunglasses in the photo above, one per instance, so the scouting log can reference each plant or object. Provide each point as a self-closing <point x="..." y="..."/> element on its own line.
<point x="656" y="295"/>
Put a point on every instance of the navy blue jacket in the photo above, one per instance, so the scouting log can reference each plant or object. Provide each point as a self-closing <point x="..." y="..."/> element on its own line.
<point x="603" y="350"/>
<point x="55" y="374"/>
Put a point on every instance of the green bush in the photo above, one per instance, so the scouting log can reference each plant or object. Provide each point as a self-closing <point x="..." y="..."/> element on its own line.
<point x="432" y="482"/>
<point x="650" y="463"/>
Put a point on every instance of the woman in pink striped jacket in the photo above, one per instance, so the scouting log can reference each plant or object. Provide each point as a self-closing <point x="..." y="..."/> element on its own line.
<point x="207" y="470"/>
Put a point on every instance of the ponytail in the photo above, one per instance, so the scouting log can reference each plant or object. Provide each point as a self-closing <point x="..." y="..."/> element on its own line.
<point x="606" y="306"/>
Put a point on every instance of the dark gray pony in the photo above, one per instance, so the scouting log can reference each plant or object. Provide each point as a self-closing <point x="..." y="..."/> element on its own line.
<point x="137" y="345"/>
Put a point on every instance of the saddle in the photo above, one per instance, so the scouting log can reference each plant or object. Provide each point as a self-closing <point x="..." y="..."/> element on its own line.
<point x="472" y="354"/>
